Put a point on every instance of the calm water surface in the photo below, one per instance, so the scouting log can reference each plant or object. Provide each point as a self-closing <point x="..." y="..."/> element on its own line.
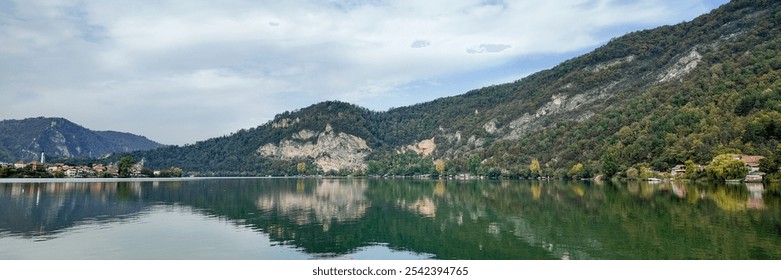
<point x="386" y="219"/>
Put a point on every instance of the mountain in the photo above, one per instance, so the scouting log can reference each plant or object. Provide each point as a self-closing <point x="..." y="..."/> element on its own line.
<point x="60" y="138"/>
<point x="652" y="98"/>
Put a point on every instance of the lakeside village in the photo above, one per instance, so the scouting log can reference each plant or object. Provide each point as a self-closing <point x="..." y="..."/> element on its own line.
<point x="751" y="164"/>
<point x="726" y="167"/>
<point x="125" y="168"/>
<point x="730" y="168"/>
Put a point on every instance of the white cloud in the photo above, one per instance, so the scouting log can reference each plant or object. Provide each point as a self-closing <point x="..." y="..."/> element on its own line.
<point x="214" y="67"/>
<point x="420" y="44"/>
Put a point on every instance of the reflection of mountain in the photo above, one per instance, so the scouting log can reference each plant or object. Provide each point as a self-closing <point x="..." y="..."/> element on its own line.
<point x="446" y="219"/>
<point x="31" y="209"/>
<point x="331" y="200"/>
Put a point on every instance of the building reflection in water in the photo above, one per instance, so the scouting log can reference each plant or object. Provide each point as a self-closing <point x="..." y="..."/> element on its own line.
<point x="730" y="199"/>
<point x="755" y="196"/>
<point x="42" y="209"/>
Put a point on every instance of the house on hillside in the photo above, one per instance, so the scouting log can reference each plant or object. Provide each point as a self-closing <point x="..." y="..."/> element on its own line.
<point x="99" y="168"/>
<point x="678" y="171"/>
<point x="53" y="169"/>
<point x="35" y="165"/>
<point x="113" y="170"/>
<point x="20" y="164"/>
<point x="751" y="162"/>
<point x="71" y="172"/>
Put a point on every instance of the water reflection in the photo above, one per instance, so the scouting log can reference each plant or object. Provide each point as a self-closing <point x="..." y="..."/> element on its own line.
<point x="730" y="197"/>
<point x="755" y="196"/>
<point x="331" y="200"/>
<point x="40" y="210"/>
<point x="345" y="218"/>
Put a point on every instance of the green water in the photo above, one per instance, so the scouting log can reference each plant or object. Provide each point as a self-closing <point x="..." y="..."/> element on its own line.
<point x="268" y="218"/>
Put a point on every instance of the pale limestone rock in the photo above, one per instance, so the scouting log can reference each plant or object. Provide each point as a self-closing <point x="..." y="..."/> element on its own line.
<point x="330" y="150"/>
<point x="424" y="147"/>
<point x="615" y="62"/>
<point x="683" y="66"/>
<point x="490" y="126"/>
<point x="283" y="123"/>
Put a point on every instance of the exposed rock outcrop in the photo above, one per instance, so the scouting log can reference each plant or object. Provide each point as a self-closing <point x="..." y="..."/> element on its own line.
<point x="490" y="126"/>
<point x="329" y="149"/>
<point x="683" y="66"/>
<point x="604" y="66"/>
<point x="425" y="147"/>
<point x="283" y="123"/>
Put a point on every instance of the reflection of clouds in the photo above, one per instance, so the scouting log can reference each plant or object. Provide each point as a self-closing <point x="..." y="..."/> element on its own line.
<point x="331" y="200"/>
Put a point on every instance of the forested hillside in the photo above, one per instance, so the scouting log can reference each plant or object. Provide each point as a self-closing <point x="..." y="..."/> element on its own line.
<point x="61" y="138"/>
<point x="654" y="98"/>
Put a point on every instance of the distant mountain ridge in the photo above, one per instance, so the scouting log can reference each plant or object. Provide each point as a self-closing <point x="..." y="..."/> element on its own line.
<point x="654" y="98"/>
<point x="60" y="138"/>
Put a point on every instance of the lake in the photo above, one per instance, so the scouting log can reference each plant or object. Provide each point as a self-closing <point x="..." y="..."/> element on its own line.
<point x="378" y="219"/>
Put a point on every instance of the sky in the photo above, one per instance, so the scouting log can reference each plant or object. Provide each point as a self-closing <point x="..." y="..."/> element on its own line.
<point x="181" y="71"/>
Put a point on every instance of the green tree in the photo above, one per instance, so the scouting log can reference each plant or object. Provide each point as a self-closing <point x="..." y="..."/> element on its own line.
<point x="632" y="174"/>
<point x="301" y="167"/>
<point x="768" y="165"/>
<point x="771" y="163"/>
<point x="124" y="165"/>
<point x="147" y="172"/>
<point x="474" y="164"/>
<point x="172" y="171"/>
<point x="726" y="167"/>
<point x="692" y="170"/>
<point x="609" y="165"/>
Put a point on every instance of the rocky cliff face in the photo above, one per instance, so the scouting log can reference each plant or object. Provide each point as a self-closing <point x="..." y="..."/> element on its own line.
<point x="330" y="150"/>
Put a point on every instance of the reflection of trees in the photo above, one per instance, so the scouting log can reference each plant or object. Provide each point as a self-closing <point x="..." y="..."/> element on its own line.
<point x="43" y="209"/>
<point x="665" y="227"/>
<point x="499" y="220"/>
<point x="449" y="219"/>
<point x="656" y="221"/>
